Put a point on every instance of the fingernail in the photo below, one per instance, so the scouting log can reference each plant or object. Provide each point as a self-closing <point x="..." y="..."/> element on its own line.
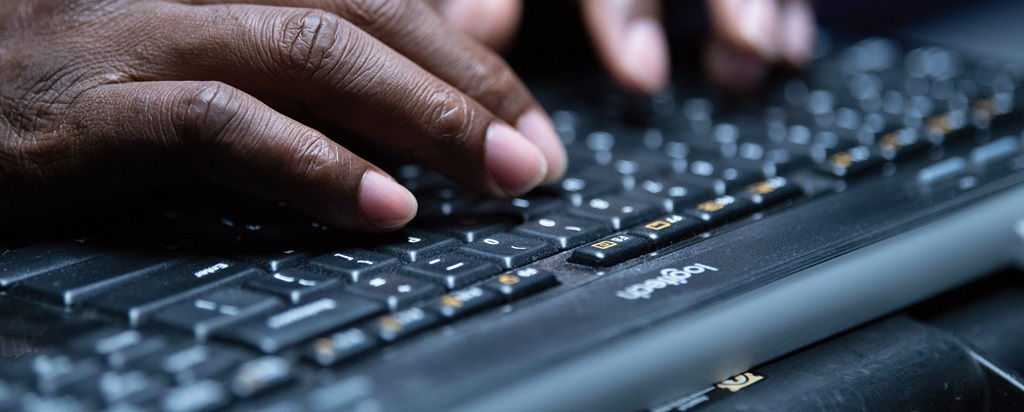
<point x="515" y="164"/>
<point x="537" y="128"/>
<point x="645" y="54"/>
<point x="757" y="26"/>
<point x="797" y="32"/>
<point x="384" y="202"/>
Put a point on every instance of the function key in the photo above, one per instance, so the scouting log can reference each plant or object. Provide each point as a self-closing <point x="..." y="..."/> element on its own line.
<point x="519" y="283"/>
<point x="509" y="251"/>
<point x="396" y="291"/>
<point x="721" y="209"/>
<point x="617" y="212"/>
<point x="668" y="229"/>
<point x="771" y="191"/>
<point x="563" y="231"/>
<point x="340" y="346"/>
<point x="610" y="250"/>
<point x="453" y="271"/>
<point x="463" y="302"/>
<point x="352" y="264"/>
<point x="207" y="313"/>
<point x="415" y="245"/>
<point x="294" y="285"/>
<point x="403" y="323"/>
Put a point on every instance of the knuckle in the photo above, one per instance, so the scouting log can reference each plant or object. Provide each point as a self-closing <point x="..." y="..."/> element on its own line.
<point x="209" y="111"/>
<point x="313" y="154"/>
<point x="448" y="116"/>
<point x="492" y="81"/>
<point x="311" y="44"/>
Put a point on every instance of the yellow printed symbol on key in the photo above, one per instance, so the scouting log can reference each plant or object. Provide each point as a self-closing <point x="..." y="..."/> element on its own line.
<point x="508" y="279"/>
<point x="450" y="300"/>
<point x="711" y="206"/>
<point x="761" y="188"/>
<point x="658" y="225"/>
<point x="604" y="244"/>
<point x="735" y="383"/>
<point x="843" y="159"/>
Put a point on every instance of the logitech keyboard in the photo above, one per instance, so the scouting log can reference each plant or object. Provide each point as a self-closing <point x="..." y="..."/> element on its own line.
<point x="695" y="236"/>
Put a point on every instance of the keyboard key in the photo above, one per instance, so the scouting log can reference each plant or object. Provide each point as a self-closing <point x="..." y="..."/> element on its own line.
<point x="193" y="363"/>
<point x="195" y="397"/>
<point x="578" y="188"/>
<point x="53" y="374"/>
<point x="341" y="346"/>
<point x="668" y="229"/>
<point x="900" y="143"/>
<point x="850" y="162"/>
<point x="469" y="228"/>
<point x="949" y="126"/>
<point x="414" y="245"/>
<point x="282" y="329"/>
<point x="133" y="387"/>
<point x="673" y="194"/>
<point x="617" y="212"/>
<point x="71" y="285"/>
<point x="721" y="209"/>
<point x="610" y="250"/>
<point x="772" y="191"/>
<point x="261" y="375"/>
<point x="20" y="264"/>
<point x="396" y="291"/>
<point x="945" y="172"/>
<point x="563" y="231"/>
<point x="995" y="156"/>
<point x="523" y="282"/>
<point x="206" y="313"/>
<point x="140" y="297"/>
<point x="509" y="251"/>
<point x="294" y="285"/>
<point x="403" y="323"/>
<point x="351" y="264"/>
<point x="463" y="302"/>
<point x="453" y="271"/>
<point x="531" y="206"/>
<point x="133" y="355"/>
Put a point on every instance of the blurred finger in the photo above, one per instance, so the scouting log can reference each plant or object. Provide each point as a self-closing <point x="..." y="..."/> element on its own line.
<point x="630" y="41"/>
<point x="491" y="22"/>
<point x="738" y="71"/>
<point x="230" y="138"/>
<point x="773" y="29"/>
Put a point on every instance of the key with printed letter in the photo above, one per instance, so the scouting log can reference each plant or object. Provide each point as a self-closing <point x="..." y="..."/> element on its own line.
<point x="509" y="251"/>
<point x="294" y="285"/>
<point x="396" y="291"/>
<point x="353" y="264"/>
<point x="415" y="245"/>
<point x="668" y="229"/>
<point x="516" y="284"/>
<point x="452" y="271"/>
<point x="563" y="231"/>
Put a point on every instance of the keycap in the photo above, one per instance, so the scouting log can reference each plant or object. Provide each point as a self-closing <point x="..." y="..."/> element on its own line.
<point x="509" y="251"/>
<point x="617" y="212"/>
<point x="563" y="231"/>
<point x="772" y="191"/>
<point x="721" y="209"/>
<point x="140" y="297"/>
<point x="413" y="245"/>
<point x="464" y="302"/>
<point x="71" y="285"/>
<point x="403" y="323"/>
<point x="341" y="346"/>
<point x="278" y="330"/>
<point x="521" y="282"/>
<point x="352" y="264"/>
<point x="260" y="375"/>
<point x="134" y="387"/>
<point x="900" y="143"/>
<point x="103" y="342"/>
<point x="672" y="193"/>
<point x="396" y="291"/>
<point x="579" y="187"/>
<point x="668" y="229"/>
<point x="995" y="155"/>
<point x="531" y="206"/>
<point x="610" y="250"/>
<point x="23" y="263"/>
<point x="468" y="228"/>
<point x="200" y="396"/>
<point x="130" y="356"/>
<point x="51" y="374"/>
<point x="949" y="126"/>
<point x="452" y="271"/>
<point x="849" y="162"/>
<point x="193" y="363"/>
<point x="294" y="285"/>
<point x="945" y="172"/>
<point x="206" y="313"/>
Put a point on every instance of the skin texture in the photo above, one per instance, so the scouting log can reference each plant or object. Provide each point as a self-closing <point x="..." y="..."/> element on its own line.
<point x="103" y="99"/>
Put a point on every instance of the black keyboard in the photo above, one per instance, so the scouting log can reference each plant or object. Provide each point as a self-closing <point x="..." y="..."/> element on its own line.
<point x="694" y="236"/>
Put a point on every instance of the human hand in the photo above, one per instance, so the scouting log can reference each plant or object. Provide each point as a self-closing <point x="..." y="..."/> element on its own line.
<point x="99" y="98"/>
<point x="748" y="36"/>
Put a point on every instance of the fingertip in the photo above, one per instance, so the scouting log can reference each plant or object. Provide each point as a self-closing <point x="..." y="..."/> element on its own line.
<point x="758" y="25"/>
<point x="515" y="164"/>
<point x="386" y="204"/>
<point x="536" y="127"/>
<point x="796" y="20"/>
<point x="644" y="55"/>
<point x="492" y="22"/>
